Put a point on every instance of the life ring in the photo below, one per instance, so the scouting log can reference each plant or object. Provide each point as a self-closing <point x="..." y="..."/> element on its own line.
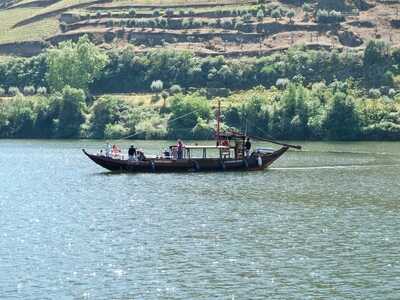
<point x="259" y="161"/>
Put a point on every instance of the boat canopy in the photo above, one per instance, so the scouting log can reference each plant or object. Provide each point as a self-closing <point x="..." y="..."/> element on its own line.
<point x="203" y="147"/>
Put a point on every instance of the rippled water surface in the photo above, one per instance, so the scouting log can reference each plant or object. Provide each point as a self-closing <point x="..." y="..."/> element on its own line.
<point x="322" y="223"/>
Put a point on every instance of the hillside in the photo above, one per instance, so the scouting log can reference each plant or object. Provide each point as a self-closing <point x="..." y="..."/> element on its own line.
<point x="228" y="27"/>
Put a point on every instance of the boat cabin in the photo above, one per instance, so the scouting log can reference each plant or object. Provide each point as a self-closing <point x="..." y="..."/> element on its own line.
<point x="229" y="146"/>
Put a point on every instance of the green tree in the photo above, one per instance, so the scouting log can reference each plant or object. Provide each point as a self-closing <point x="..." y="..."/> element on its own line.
<point x="276" y="14"/>
<point x="71" y="112"/>
<point x="260" y="15"/>
<point x="106" y="110"/>
<point x="156" y="87"/>
<point x="175" y="89"/>
<point x="341" y="120"/>
<point x="290" y="15"/>
<point x="376" y="61"/>
<point x="74" y="64"/>
<point x="185" y="113"/>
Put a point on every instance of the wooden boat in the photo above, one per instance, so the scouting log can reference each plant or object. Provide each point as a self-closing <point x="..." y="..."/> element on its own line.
<point x="229" y="149"/>
<point x="258" y="160"/>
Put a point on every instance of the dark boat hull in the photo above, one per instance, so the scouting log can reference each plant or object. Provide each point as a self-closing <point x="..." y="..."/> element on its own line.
<point x="187" y="165"/>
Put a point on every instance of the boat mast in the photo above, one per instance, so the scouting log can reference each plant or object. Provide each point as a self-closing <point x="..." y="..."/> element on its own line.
<point x="218" y="122"/>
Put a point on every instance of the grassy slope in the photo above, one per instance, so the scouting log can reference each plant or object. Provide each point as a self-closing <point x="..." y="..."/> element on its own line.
<point x="35" y="31"/>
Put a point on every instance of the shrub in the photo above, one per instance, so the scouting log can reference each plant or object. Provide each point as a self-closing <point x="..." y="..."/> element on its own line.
<point x="247" y="18"/>
<point x="282" y="83"/>
<point x="290" y="14"/>
<point x="13" y="91"/>
<point x="197" y="23"/>
<point x="29" y="90"/>
<point x="63" y="27"/>
<point x="238" y="25"/>
<point x="169" y="12"/>
<point x="392" y="93"/>
<point x="156" y="13"/>
<point x="213" y="23"/>
<point x="283" y="11"/>
<point x="131" y="23"/>
<point x="175" y="89"/>
<point x="307" y="7"/>
<point x="276" y="14"/>
<point x="333" y="16"/>
<point x="227" y="24"/>
<point x="157" y="86"/>
<point x="191" y="12"/>
<point x="374" y="93"/>
<point x="260" y="15"/>
<point x="162" y="22"/>
<point x="41" y="90"/>
<point x="115" y="131"/>
<point x="132" y="13"/>
<point x="2" y="92"/>
<point x="152" y="23"/>
<point x="186" y="23"/>
<point x="98" y="15"/>
<point x="141" y="23"/>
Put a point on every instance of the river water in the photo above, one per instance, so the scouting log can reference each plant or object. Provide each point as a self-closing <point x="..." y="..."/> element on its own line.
<point x="320" y="224"/>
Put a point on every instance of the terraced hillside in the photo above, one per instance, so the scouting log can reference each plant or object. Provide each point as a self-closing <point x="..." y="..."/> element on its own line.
<point x="228" y="27"/>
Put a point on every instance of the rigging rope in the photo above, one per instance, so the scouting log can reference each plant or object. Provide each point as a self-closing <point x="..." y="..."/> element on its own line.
<point x="169" y="121"/>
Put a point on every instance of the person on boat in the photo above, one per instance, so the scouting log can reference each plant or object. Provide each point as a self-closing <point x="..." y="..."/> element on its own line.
<point x="179" y="147"/>
<point x="116" y="151"/>
<point x="132" y="153"/>
<point x="108" y="150"/>
<point x="166" y="154"/>
<point x="173" y="152"/>
<point x="247" y="146"/>
<point x="140" y="155"/>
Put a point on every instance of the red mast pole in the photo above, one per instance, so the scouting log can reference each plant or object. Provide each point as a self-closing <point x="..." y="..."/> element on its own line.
<point x="218" y="122"/>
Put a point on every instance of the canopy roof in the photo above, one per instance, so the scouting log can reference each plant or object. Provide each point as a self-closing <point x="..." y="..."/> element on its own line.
<point x="202" y="147"/>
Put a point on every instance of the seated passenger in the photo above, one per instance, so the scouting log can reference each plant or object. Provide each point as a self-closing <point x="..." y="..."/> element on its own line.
<point x="174" y="153"/>
<point x="166" y="154"/>
<point x="140" y="155"/>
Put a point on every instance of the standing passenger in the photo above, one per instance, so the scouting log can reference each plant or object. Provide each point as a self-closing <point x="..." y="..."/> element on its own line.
<point x="247" y="147"/>
<point x="108" y="150"/>
<point x="179" y="147"/>
<point x="132" y="152"/>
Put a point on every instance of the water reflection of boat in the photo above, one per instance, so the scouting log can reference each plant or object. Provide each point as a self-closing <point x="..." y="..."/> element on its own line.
<point x="228" y="154"/>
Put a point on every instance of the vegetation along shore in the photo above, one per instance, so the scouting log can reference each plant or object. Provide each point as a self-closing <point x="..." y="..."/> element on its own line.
<point x="77" y="90"/>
